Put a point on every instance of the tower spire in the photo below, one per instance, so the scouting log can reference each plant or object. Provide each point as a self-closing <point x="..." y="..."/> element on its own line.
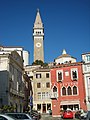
<point x="38" y="22"/>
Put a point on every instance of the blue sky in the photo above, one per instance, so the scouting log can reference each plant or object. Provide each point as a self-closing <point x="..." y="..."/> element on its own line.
<point x="66" y="26"/>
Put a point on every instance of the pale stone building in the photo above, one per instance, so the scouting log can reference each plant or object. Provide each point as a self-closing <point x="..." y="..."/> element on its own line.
<point x="23" y="53"/>
<point x="86" y="72"/>
<point x="11" y="82"/>
<point x="41" y="85"/>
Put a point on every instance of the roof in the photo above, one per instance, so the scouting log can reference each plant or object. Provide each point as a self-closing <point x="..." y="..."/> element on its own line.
<point x="64" y="54"/>
<point x="86" y="53"/>
<point x="42" y="69"/>
<point x="38" y="22"/>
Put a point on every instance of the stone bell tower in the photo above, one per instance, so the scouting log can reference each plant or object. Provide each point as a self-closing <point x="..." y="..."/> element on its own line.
<point x="38" y="37"/>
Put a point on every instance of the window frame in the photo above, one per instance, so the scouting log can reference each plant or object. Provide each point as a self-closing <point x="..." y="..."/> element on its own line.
<point x="38" y="85"/>
<point x="47" y="83"/>
<point x="76" y="90"/>
<point x="59" y="71"/>
<point x="38" y="75"/>
<point x="65" y="91"/>
<point x="47" y="75"/>
<point x="74" y="70"/>
<point x="69" y="91"/>
<point x="39" y="95"/>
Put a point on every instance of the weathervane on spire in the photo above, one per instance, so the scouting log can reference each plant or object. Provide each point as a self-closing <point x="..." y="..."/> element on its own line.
<point x="37" y="9"/>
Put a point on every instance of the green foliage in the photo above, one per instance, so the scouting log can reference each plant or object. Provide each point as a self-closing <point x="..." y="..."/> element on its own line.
<point x="39" y="62"/>
<point x="7" y="108"/>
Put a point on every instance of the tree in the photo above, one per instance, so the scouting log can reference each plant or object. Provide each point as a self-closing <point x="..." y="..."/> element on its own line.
<point x="7" y="108"/>
<point x="39" y="62"/>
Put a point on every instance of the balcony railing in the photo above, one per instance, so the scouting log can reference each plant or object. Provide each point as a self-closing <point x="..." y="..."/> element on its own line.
<point x="54" y="95"/>
<point x="15" y="92"/>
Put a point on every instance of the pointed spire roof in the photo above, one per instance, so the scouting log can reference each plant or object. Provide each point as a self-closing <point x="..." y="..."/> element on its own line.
<point x="38" y="22"/>
<point x="64" y="54"/>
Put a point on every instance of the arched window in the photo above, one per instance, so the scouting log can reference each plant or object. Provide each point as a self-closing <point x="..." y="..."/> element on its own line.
<point x="63" y="91"/>
<point x="69" y="91"/>
<point x="54" y="89"/>
<point x="74" y="90"/>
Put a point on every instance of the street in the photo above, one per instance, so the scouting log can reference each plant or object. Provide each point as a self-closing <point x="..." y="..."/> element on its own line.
<point x="49" y="117"/>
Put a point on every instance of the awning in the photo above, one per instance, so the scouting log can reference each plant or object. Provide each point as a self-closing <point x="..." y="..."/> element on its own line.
<point x="69" y="102"/>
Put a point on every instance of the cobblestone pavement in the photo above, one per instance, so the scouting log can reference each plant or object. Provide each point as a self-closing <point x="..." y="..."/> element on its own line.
<point x="49" y="117"/>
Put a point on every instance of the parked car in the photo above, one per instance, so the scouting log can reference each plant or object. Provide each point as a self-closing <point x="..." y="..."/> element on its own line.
<point x="35" y="114"/>
<point x="67" y="114"/>
<point x="6" y="117"/>
<point x="22" y="116"/>
<point x="83" y="115"/>
<point x="78" y="114"/>
<point x="87" y="117"/>
<point x="49" y="112"/>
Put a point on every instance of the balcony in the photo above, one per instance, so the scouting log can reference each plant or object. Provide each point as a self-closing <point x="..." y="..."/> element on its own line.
<point x="17" y="93"/>
<point x="54" y="95"/>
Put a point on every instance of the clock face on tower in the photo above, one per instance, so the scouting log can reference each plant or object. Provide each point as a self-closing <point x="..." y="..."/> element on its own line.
<point x="38" y="44"/>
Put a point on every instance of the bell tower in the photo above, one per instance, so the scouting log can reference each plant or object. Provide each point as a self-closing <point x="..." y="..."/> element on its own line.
<point x="38" y="37"/>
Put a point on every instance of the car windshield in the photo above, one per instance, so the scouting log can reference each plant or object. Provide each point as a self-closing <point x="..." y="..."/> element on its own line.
<point x="19" y="116"/>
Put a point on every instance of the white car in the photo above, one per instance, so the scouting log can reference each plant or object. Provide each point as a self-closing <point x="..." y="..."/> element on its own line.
<point x="6" y="117"/>
<point x="20" y="116"/>
<point x="83" y="115"/>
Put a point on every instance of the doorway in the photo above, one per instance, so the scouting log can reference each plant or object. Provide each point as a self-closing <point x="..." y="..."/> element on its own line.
<point x="43" y="108"/>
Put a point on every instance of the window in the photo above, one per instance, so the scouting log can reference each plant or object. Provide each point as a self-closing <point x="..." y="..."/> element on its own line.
<point x="72" y="107"/>
<point x="47" y="95"/>
<point x="54" y="89"/>
<point x="38" y="85"/>
<point x="76" y="107"/>
<point x="39" y="95"/>
<point x="88" y="68"/>
<point x="48" y="85"/>
<point x="43" y="95"/>
<point x="47" y="75"/>
<point x="54" y="92"/>
<point x="88" y="58"/>
<point x="38" y="75"/>
<point x="69" y="91"/>
<point x="74" y="90"/>
<point x="48" y="106"/>
<point x="59" y="75"/>
<point x="74" y="74"/>
<point x="38" y="107"/>
<point x="63" y="91"/>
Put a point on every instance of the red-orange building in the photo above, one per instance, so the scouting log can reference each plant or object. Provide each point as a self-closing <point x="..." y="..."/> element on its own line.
<point x="68" y="90"/>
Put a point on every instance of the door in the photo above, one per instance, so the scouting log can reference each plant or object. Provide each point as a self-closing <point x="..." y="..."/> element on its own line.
<point x="43" y="108"/>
